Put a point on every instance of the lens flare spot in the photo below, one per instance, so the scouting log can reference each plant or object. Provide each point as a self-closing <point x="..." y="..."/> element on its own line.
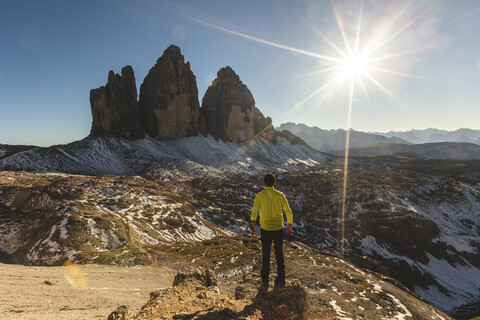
<point x="74" y="275"/>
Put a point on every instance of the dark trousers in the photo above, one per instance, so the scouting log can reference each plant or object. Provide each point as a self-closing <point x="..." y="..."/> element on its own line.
<point x="277" y="238"/>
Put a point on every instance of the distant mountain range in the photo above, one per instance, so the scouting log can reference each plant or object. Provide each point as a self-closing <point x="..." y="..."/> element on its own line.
<point x="435" y="135"/>
<point x="462" y="144"/>
<point x="438" y="150"/>
<point x="326" y="140"/>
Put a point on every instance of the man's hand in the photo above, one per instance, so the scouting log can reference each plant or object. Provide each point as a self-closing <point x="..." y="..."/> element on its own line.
<point x="289" y="230"/>
<point x="253" y="232"/>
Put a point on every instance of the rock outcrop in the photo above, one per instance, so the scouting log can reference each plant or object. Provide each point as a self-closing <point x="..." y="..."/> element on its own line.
<point x="120" y="314"/>
<point x="195" y="297"/>
<point x="168" y="106"/>
<point x="169" y="98"/>
<point x="114" y="107"/>
<point x="229" y="111"/>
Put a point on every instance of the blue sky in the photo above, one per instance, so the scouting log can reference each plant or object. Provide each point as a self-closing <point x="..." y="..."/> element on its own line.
<point x="426" y="72"/>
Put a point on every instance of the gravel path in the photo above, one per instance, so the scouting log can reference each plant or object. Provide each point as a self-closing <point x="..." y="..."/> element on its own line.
<point x="75" y="292"/>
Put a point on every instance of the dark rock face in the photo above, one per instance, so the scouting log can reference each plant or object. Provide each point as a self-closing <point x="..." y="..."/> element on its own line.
<point x="289" y="302"/>
<point x="293" y="139"/>
<point x="120" y="314"/>
<point x="229" y="111"/>
<point x="168" y="99"/>
<point x="114" y="107"/>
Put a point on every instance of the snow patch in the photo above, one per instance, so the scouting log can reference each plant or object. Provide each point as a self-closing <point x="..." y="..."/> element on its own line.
<point x="403" y="313"/>
<point x="63" y="228"/>
<point x="339" y="310"/>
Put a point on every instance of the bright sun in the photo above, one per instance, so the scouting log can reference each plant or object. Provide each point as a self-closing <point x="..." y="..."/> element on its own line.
<point x="353" y="66"/>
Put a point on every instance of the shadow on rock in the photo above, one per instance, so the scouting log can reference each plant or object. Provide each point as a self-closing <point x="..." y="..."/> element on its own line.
<point x="281" y="303"/>
<point x="195" y="295"/>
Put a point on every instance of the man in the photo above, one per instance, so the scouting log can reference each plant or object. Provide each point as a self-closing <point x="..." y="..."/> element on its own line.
<point x="270" y="203"/>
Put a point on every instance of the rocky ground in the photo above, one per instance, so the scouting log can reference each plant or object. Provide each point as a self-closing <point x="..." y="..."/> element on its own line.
<point x="75" y="292"/>
<point x="416" y="220"/>
<point x="320" y="286"/>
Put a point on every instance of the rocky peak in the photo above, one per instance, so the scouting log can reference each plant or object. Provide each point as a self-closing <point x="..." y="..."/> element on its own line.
<point x="229" y="112"/>
<point x="114" y="107"/>
<point x="168" y="106"/>
<point x="169" y="98"/>
<point x="228" y="74"/>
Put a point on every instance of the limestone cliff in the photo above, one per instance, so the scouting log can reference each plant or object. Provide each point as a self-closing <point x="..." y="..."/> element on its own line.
<point x="229" y="112"/>
<point x="168" y="99"/>
<point x="114" y="107"/>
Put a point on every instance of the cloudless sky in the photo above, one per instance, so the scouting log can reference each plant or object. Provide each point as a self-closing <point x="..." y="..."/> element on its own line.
<point x="427" y="72"/>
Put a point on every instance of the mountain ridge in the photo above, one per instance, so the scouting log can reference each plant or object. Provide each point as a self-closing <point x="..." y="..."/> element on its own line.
<point x="117" y="156"/>
<point x="433" y="150"/>
<point x="436" y="135"/>
<point x="326" y="140"/>
<point x="167" y="123"/>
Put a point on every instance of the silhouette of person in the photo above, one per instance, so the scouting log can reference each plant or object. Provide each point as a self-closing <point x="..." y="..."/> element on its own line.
<point x="270" y="203"/>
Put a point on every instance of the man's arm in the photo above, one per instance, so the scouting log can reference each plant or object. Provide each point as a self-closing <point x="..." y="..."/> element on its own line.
<point x="253" y="216"/>
<point x="289" y="214"/>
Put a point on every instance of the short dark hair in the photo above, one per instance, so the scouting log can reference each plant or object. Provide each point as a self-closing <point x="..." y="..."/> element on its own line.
<point x="269" y="179"/>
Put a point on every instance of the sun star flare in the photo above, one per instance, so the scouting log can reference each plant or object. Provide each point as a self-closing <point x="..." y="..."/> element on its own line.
<point x="353" y="66"/>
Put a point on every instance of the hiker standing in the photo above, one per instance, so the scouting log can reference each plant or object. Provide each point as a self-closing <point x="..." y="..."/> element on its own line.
<point x="270" y="203"/>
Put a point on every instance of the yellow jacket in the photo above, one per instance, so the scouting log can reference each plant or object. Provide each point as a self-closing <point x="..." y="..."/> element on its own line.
<point x="270" y="203"/>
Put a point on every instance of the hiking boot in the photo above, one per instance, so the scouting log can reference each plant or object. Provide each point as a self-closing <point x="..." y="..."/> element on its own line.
<point x="279" y="284"/>
<point x="263" y="287"/>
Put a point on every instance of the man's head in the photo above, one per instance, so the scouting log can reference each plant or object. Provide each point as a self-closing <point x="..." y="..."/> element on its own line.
<point x="269" y="179"/>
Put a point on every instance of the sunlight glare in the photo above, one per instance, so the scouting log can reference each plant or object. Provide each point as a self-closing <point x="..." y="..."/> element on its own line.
<point x="364" y="59"/>
<point x="354" y="66"/>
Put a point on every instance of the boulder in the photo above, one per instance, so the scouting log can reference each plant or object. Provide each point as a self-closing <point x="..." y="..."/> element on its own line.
<point x="206" y="278"/>
<point x="114" y="107"/>
<point x="120" y="314"/>
<point x="168" y="99"/>
<point x="229" y="112"/>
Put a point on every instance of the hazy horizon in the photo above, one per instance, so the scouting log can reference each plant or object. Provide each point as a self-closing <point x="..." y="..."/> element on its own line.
<point x="332" y="129"/>
<point x="374" y="67"/>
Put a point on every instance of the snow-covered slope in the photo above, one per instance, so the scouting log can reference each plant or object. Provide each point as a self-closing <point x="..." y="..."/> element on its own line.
<point x="114" y="156"/>
<point x="439" y="232"/>
<point x="47" y="218"/>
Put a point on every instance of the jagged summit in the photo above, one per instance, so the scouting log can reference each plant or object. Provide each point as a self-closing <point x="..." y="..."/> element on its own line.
<point x="227" y="73"/>
<point x="174" y="49"/>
